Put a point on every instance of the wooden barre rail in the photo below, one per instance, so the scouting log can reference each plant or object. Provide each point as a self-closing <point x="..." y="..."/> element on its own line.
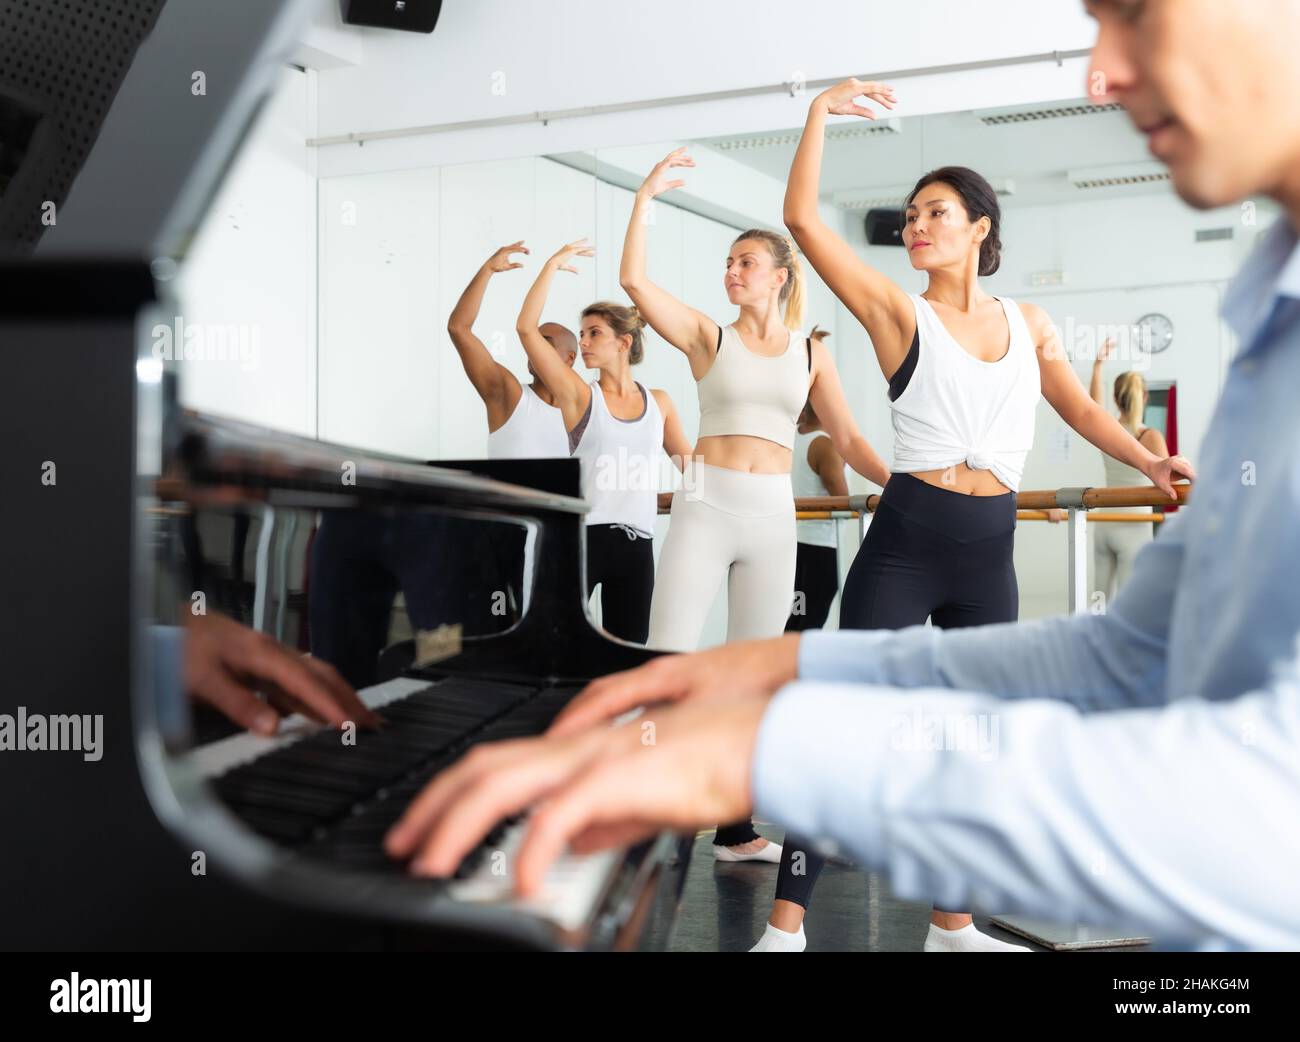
<point x="1036" y="500"/>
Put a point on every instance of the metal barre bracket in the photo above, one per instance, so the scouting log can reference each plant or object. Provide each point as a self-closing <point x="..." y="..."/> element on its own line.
<point x="1071" y="498"/>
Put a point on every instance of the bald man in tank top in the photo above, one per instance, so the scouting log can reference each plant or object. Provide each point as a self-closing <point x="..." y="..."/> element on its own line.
<point x="523" y="421"/>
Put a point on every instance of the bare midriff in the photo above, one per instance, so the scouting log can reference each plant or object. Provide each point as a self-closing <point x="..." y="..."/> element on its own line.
<point x="963" y="479"/>
<point x="745" y="453"/>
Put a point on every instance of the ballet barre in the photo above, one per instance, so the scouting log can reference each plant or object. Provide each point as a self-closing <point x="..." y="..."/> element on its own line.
<point x="1081" y="504"/>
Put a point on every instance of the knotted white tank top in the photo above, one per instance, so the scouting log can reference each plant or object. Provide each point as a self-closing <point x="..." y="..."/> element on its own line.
<point x="534" y="430"/>
<point x="746" y="393"/>
<point x="957" y="408"/>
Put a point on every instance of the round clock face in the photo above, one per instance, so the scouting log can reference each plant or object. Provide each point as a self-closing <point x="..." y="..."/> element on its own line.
<point x="1155" y="333"/>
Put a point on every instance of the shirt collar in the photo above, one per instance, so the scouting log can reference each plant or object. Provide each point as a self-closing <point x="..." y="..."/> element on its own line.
<point x="1272" y="270"/>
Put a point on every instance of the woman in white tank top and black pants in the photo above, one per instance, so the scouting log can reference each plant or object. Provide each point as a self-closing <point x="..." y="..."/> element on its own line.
<point x="965" y="373"/>
<point x="734" y="517"/>
<point x="618" y="429"/>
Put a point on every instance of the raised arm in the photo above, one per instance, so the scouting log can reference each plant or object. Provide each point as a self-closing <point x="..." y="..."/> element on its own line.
<point x="1096" y="386"/>
<point x="832" y="407"/>
<point x="1064" y="391"/>
<point x="495" y="384"/>
<point x="875" y="300"/>
<point x="572" y="395"/>
<point x="691" y="332"/>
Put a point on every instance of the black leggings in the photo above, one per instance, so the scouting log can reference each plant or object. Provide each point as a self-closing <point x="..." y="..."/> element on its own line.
<point x="929" y="553"/>
<point x="623" y="562"/>
<point x="817" y="577"/>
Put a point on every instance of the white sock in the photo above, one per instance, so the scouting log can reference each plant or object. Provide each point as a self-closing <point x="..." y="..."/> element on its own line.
<point x="774" y="940"/>
<point x="967" y="939"/>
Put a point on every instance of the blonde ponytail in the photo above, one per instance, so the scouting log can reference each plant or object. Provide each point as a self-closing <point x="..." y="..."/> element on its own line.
<point x="1130" y="390"/>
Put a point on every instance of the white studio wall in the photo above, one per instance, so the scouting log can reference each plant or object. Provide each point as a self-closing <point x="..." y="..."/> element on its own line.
<point x="249" y="278"/>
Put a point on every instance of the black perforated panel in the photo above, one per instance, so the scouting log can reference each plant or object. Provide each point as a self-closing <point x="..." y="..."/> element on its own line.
<point x="61" y="64"/>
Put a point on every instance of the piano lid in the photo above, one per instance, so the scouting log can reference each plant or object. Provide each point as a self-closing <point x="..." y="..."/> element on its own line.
<point x="101" y="115"/>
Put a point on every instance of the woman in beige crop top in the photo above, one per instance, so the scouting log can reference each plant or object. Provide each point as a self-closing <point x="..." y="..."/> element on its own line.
<point x="733" y="520"/>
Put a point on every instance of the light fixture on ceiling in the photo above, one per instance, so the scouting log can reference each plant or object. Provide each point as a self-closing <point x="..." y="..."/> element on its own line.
<point x="1004" y="117"/>
<point x="877" y="128"/>
<point x="1118" y="175"/>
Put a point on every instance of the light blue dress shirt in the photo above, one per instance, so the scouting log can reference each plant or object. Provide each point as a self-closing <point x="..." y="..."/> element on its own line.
<point x="1138" y="768"/>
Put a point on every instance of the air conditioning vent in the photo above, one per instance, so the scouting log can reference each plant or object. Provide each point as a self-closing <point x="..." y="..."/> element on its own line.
<point x="999" y="119"/>
<point x="879" y="128"/>
<point x="1118" y="175"/>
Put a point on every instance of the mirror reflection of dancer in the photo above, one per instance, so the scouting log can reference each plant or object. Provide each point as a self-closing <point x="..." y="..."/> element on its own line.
<point x="1116" y="545"/>
<point x="736" y="518"/>
<point x="965" y="371"/>
<point x="818" y="471"/>
<point x="523" y="421"/>
<point x="617" y="428"/>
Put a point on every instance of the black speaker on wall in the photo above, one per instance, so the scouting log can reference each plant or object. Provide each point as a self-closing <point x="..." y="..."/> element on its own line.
<point x="417" y="16"/>
<point x="885" y="227"/>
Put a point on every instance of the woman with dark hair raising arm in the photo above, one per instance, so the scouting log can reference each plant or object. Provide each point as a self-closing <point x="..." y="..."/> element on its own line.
<point x="965" y="373"/>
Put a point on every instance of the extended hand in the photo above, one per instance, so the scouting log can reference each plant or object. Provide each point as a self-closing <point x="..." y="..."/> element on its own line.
<point x="226" y="663"/>
<point x="501" y="260"/>
<point x="656" y="182"/>
<point x="1163" y="473"/>
<point x="581" y="248"/>
<point x="743" y="668"/>
<point x="680" y="768"/>
<point x="839" y="99"/>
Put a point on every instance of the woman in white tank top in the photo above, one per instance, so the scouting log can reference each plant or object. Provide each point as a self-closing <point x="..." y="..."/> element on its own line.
<point x="734" y="517"/>
<point x="966" y="371"/>
<point x="619" y="430"/>
<point x="523" y="422"/>
<point x="1115" y="546"/>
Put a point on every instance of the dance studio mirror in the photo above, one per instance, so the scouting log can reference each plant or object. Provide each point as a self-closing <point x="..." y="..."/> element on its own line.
<point x="1091" y="232"/>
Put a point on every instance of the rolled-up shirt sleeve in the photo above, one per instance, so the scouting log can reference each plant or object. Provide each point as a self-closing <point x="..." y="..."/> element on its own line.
<point x="1172" y="821"/>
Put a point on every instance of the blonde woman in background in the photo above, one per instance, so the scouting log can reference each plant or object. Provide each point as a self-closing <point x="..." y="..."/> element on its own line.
<point x="1116" y="544"/>
<point x="735" y="517"/>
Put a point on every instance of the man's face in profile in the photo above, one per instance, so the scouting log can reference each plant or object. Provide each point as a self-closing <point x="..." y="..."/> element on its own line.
<point x="1213" y="84"/>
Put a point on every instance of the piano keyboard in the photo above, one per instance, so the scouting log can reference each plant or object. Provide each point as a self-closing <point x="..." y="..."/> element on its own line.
<point x="328" y="801"/>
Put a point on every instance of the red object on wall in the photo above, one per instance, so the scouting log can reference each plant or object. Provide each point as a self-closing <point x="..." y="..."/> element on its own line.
<point x="1171" y="431"/>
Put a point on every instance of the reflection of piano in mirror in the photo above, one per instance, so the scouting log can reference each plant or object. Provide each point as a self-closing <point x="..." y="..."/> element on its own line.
<point x="308" y="810"/>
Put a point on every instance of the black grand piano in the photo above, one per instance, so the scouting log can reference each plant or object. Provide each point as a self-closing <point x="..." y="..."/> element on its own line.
<point x="119" y="509"/>
<point x="300" y="816"/>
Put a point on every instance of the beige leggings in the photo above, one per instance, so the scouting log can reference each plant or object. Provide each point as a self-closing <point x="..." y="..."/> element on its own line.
<point x="732" y="525"/>
<point x="1114" y="547"/>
